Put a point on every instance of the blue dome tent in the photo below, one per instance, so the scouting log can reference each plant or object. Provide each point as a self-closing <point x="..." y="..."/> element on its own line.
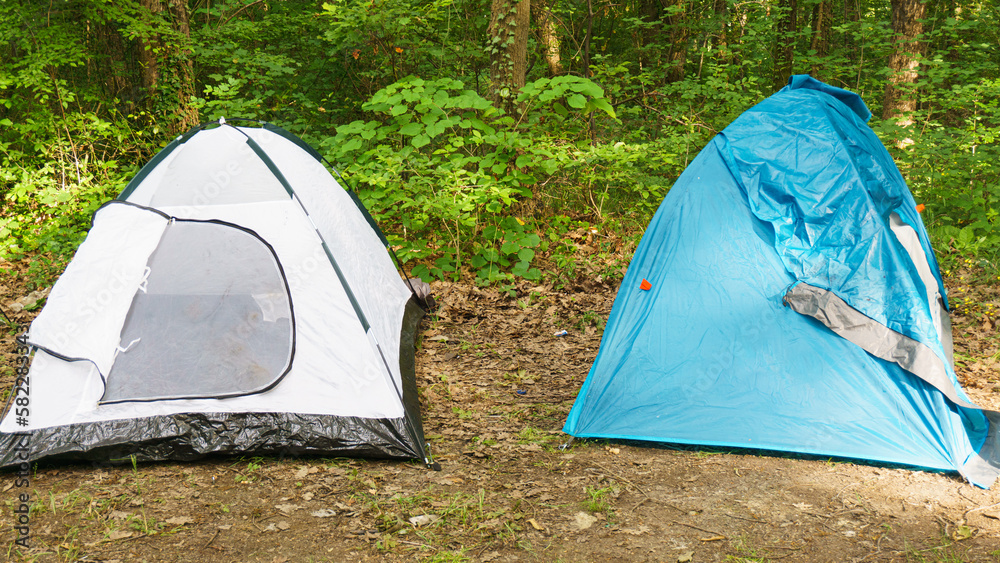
<point x="793" y="303"/>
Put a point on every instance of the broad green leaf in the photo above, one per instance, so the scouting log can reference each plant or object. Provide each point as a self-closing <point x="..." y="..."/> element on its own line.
<point x="521" y="268"/>
<point x="602" y="104"/>
<point x="420" y="140"/>
<point x="352" y="145"/>
<point x="411" y="129"/>
<point x="577" y="101"/>
<point x="587" y="88"/>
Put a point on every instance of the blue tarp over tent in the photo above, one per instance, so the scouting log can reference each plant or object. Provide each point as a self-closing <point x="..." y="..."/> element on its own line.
<point x="795" y="304"/>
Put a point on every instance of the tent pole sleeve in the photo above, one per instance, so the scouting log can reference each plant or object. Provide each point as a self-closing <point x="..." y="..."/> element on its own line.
<point x="354" y="197"/>
<point x="312" y="152"/>
<point x="152" y="164"/>
<point x="343" y="282"/>
<point x="340" y="276"/>
<point x="411" y="428"/>
<point x="291" y="193"/>
<point x="270" y="165"/>
<point x="329" y="254"/>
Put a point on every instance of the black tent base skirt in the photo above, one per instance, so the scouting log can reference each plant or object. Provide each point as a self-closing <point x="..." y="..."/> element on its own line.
<point x="191" y="436"/>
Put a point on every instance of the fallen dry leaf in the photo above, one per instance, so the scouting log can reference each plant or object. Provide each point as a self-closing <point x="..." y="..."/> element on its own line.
<point x="424" y="520"/>
<point x="180" y="520"/>
<point x="305" y="470"/>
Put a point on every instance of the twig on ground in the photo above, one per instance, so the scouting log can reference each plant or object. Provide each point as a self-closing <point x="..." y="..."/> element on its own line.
<point x="754" y="520"/>
<point x="217" y="532"/>
<point x="620" y="478"/>
<point x="638" y="504"/>
<point x="961" y="494"/>
<point x="699" y="529"/>
<point x="971" y="510"/>
<point x="417" y="544"/>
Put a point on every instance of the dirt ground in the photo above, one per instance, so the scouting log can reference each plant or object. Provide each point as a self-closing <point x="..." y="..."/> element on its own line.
<point x="496" y="385"/>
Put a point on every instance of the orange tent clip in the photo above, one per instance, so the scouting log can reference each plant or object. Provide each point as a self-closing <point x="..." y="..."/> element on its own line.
<point x="920" y="208"/>
<point x="645" y="285"/>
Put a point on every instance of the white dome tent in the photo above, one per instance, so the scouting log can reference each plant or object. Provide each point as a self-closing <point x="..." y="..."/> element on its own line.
<point x="233" y="299"/>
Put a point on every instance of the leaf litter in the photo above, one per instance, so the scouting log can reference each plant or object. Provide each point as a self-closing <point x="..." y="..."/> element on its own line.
<point x="507" y="492"/>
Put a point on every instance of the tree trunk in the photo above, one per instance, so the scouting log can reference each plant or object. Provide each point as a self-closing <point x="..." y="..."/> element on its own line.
<point x="785" y="42"/>
<point x="508" y="34"/>
<point x="852" y="11"/>
<point x="820" y="42"/>
<point x="852" y="15"/>
<point x="548" y="37"/>
<point x="167" y="69"/>
<point x="678" y="25"/>
<point x="651" y="13"/>
<point x="721" y="9"/>
<point x="187" y="116"/>
<point x="114" y="65"/>
<point x="907" y="28"/>
<point x="587" y="37"/>
<point x="150" y="46"/>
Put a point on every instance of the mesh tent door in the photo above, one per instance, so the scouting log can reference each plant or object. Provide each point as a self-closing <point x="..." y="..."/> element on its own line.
<point x="213" y="320"/>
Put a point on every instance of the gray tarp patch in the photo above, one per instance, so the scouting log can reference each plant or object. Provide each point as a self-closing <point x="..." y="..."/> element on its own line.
<point x="875" y="338"/>
<point x="915" y="357"/>
<point x="985" y="467"/>
<point x="910" y="242"/>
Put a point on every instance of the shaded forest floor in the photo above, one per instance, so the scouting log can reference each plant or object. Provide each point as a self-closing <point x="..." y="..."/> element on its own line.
<point x="496" y="386"/>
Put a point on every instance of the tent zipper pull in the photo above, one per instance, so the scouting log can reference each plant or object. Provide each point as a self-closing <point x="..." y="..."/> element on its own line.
<point x="121" y="350"/>
<point x="144" y="281"/>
